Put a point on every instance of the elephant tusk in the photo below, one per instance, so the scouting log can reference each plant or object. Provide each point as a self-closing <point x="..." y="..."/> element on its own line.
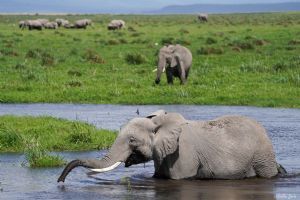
<point x="155" y="70"/>
<point x="107" y="168"/>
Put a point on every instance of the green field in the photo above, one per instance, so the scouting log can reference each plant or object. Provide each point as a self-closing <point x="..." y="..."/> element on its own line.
<point x="239" y="59"/>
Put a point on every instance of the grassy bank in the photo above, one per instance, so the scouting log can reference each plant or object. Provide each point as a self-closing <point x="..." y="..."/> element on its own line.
<point x="238" y="59"/>
<point x="37" y="136"/>
<point x="52" y="134"/>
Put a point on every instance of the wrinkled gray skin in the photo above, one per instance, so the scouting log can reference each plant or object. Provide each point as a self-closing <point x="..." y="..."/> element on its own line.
<point x="33" y="24"/>
<point x="176" y="60"/>
<point x="51" y="25"/>
<point x="203" y="17"/>
<point x="116" y="24"/>
<point x="229" y="147"/>
<point x="62" y="22"/>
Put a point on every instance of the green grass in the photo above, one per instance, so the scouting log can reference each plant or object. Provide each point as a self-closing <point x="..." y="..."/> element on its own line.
<point x="238" y="59"/>
<point x="22" y="134"/>
<point x="37" y="156"/>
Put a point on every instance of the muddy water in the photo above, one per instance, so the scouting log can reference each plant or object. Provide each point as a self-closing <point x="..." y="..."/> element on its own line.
<point x="17" y="182"/>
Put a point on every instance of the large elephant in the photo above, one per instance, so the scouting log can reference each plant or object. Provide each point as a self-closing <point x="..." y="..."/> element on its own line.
<point x="34" y="24"/>
<point x="176" y="60"/>
<point x="116" y="24"/>
<point x="229" y="147"/>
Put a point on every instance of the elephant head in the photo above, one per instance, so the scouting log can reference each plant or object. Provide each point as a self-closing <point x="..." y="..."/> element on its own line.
<point x="139" y="141"/>
<point x="166" y="57"/>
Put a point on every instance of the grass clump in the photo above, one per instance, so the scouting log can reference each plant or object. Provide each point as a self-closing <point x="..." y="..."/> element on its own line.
<point x="47" y="59"/>
<point x="37" y="156"/>
<point x="210" y="50"/>
<point x="93" y="57"/>
<point x="211" y="40"/>
<point x="135" y="58"/>
<point x="294" y="42"/>
<point x="74" y="83"/>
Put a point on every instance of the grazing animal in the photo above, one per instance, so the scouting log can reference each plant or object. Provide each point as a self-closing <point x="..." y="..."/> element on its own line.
<point x="43" y="21"/>
<point x="83" y="23"/>
<point x="22" y="24"/>
<point x="116" y="24"/>
<point x="51" y="25"/>
<point x="62" y="22"/>
<point x="176" y="60"/>
<point x="34" y="24"/>
<point x="203" y="17"/>
<point x="229" y="147"/>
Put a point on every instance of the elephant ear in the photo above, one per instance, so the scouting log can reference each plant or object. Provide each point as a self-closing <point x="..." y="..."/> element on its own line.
<point x="156" y="113"/>
<point x="166" y="141"/>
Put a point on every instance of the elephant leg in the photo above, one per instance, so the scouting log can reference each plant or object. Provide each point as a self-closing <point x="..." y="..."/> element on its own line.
<point x="187" y="73"/>
<point x="169" y="73"/>
<point x="265" y="165"/>
<point x="181" y="70"/>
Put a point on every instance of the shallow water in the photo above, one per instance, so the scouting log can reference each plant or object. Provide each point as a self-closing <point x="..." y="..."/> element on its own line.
<point x="17" y="182"/>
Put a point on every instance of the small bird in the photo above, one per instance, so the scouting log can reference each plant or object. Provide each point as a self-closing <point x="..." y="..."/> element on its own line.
<point x="137" y="112"/>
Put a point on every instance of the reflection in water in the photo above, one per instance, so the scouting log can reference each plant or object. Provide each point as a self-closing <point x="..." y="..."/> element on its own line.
<point x="136" y="182"/>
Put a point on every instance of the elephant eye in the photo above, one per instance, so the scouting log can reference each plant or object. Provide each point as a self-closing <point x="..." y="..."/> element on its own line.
<point x="156" y="129"/>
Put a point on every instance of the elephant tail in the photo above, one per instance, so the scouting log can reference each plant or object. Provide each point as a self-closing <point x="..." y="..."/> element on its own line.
<point x="281" y="169"/>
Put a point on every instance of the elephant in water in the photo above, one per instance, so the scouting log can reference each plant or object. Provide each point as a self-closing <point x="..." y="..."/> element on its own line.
<point x="203" y="17"/>
<point x="116" y="24"/>
<point x="176" y="60"/>
<point x="229" y="147"/>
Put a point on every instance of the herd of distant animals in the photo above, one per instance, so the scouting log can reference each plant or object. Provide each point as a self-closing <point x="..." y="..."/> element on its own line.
<point x="39" y="24"/>
<point x="175" y="60"/>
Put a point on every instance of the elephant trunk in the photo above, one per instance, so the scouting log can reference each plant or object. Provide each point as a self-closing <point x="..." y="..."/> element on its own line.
<point x="116" y="155"/>
<point x="160" y="68"/>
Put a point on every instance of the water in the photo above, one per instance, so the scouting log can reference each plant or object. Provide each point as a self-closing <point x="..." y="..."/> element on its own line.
<point x="136" y="182"/>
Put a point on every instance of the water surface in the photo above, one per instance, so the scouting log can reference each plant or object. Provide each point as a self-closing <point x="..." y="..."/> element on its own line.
<point x="136" y="182"/>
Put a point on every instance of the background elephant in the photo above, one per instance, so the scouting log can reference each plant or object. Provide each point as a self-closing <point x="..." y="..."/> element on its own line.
<point x="229" y="147"/>
<point x="43" y="21"/>
<point x="83" y="23"/>
<point x="22" y="24"/>
<point x="62" y="22"/>
<point x="176" y="60"/>
<point x="34" y="24"/>
<point x="51" y="25"/>
<point x="116" y="24"/>
<point x="203" y="17"/>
